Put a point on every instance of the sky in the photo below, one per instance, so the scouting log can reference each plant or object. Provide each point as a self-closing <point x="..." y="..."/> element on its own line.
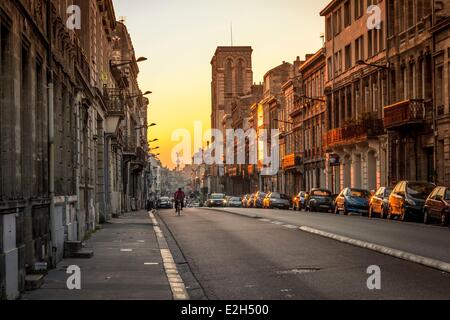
<point x="179" y="37"/>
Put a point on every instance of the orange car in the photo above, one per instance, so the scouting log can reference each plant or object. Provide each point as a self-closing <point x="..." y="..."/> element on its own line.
<point x="299" y="201"/>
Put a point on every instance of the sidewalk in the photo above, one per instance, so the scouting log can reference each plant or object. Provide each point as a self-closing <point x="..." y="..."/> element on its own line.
<point x="127" y="264"/>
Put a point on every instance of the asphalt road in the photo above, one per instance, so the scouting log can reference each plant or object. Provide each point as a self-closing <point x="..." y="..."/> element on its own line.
<point x="234" y="257"/>
<point x="430" y="241"/>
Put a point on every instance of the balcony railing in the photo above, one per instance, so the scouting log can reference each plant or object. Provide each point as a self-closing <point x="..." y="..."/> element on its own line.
<point x="404" y="113"/>
<point x="291" y="161"/>
<point x="115" y="101"/>
<point x="354" y="133"/>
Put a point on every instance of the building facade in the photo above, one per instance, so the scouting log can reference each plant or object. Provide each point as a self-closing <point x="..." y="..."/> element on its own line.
<point x="356" y="94"/>
<point x="312" y="108"/>
<point x="441" y="36"/>
<point x="232" y="77"/>
<point x="60" y="147"/>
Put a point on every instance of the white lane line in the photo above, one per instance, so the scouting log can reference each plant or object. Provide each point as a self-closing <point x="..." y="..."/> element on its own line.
<point x="290" y="226"/>
<point x="429" y="262"/>
<point x="177" y="285"/>
<point x="407" y="256"/>
<point x="126" y="250"/>
<point x="277" y="223"/>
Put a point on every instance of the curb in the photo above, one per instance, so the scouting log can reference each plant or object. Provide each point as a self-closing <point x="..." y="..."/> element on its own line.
<point x="411" y="257"/>
<point x="407" y="256"/>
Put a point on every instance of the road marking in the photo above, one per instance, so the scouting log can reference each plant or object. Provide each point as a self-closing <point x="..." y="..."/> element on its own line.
<point x="151" y="263"/>
<point x="411" y="257"/>
<point x="290" y="226"/>
<point x="277" y="223"/>
<point x="177" y="286"/>
<point x="126" y="250"/>
<point x="407" y="256"/>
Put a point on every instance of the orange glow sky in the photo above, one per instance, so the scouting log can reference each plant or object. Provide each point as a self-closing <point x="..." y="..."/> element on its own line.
<point x="180" y="37"/>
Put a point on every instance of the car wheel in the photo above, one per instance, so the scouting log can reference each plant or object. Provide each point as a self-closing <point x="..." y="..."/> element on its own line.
<point x="384" y="213"/>
<point x="402" y="216"/>
<point x="426" y="216"/>
<point x="443" y="219"/>
<point x="345" y="211"/>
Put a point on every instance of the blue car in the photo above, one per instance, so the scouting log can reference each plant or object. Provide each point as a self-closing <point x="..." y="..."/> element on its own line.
<point x="352" y="200"/>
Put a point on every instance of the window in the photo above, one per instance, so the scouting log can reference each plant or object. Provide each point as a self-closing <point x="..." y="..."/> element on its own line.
<point x="439" y="86"/>
<point x="359" y="8"/>
<point x="348" y="57"/>
<point x="329" y="29"/>
<point x="337" y="21"/>
<point x="330" y="69"/>
<point x="359" y="49"/>
<point x="370" y="43"/>
<point x="229" y="77"/>
<point x="347" y="14"/>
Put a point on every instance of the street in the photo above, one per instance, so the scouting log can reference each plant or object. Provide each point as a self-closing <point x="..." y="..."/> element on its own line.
<point x="237" y="257"/>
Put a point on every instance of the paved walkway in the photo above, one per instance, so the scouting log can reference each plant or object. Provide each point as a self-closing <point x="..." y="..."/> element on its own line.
<point x="127" y="264"/>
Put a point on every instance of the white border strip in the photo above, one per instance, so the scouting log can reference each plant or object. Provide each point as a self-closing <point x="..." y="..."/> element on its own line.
<point x="177" y="286"/>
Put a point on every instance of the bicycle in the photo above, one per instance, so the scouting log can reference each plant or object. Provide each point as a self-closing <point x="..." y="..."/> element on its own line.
<point x="178" y="208"/>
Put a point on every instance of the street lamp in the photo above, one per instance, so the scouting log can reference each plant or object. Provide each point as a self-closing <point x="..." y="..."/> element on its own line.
<point x="312" y="99"/>
<point x="146" y="127"/>
<point x="125" y="62"/>
<point x="282" y="121"/>
<point x="363" y="63"/>
<point x="140" y="95"/>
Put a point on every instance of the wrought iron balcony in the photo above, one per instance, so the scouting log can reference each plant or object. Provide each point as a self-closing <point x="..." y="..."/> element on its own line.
<point x="291" y="161"/>
<point x="404" y="113"/>
<point x="354" y="133"/>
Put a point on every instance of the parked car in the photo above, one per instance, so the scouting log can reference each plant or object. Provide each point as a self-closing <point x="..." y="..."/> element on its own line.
<point x="352" y="200"/>
<point x="165" y="203"/>
<point x="320" y="200"/>
<point x="379" y="203"/>
<point x="276" y="200"/>
<point x="251" y="201"/>
<point x="216" y="200"/>
<point x="234" y="202"/>
<point x="408" y="199"/>
<point x="299" y="201"/>
<point x="245" y="200"/>
<point x="437" y="206"/>
<point x="258" y="199"/>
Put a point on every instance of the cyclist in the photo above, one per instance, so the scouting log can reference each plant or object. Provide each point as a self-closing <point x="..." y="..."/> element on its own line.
<point x="179" y="197"/>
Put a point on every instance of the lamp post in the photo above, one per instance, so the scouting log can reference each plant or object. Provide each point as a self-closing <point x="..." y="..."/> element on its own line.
<point x="125" y="62"/>
<point x="140" y="95"/>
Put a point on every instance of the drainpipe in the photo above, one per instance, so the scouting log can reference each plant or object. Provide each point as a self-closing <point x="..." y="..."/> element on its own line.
<point x="51" y="126"/>
<point x="433" y="104"/>
<point x="107" y="205"/>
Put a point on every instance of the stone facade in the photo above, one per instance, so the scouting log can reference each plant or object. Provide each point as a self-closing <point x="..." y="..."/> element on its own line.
<point x="356" y="94"/>
<point x="232" y="77"/>
<point x="60" y="152"/>
<point x="441" y="34"/>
